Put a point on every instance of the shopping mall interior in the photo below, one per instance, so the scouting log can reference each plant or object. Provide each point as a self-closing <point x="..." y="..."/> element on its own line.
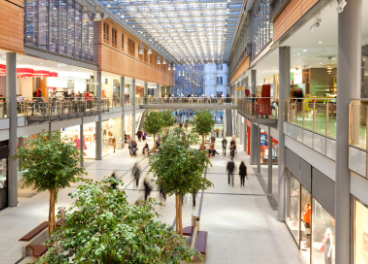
<point x="223" y="131"/>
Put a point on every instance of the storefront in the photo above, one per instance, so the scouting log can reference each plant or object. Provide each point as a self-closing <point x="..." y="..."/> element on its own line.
<point x="310" y="223"/>
<point x="3" y="174"/>
<point x="264" y="141"/>
<point x="110" y="128"/>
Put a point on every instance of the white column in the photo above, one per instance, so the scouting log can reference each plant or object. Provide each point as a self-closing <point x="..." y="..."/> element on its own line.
<point x="133" y="115"/>
<point x="253" y="129"/>
<point x="11" y="94"/>
<point x="348" y="88"/>
<point x="122" y="100"/>
<point x="284" y="80"/>
<point x="99" y="119"/>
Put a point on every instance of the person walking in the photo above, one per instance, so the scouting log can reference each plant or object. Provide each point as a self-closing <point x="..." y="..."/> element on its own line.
<point x="180" y="124"/>
<point x="136" y="172"/>
<point x="230" y="169"/>
<point x="139" y="135"/>
<point x="232" y="148"/>
<point x="242" y="173"/>
<point x="147" y="189"/>
<point x="186" y="125"/>
<point x="145" y="149"/>
<point x="224" y="145"/>
<point x="113" y="183"/>
<point x="114" y="143"/>
<point x="144" y="135"/>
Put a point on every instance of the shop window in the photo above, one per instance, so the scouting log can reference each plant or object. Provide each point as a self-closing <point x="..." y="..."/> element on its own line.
<point x="306" y="224"/>
<point x="106" y="33"/>
<point x="78" y="31"/>
<point x="71" y="32"/>
<point x="114" y="39"/>
<point x="360" y="233"/>
<point x="122" y="42"/>
<point x="3" y="174"/>
<point x="131" y="47"/>
<point x="293" y="206"/>
<point x="43" y="24"/>
<point x="91" y="34"/>
<point x="63" y="27"/>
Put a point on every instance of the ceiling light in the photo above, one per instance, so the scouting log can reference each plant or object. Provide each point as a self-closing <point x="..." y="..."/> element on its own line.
<point x="149" y="51"/>
<point x="98" y="13"/>
<point x="158" y="60"/>
<point x="85" y="17"/>
<point x="108" y="4"/>
<point x="140" y="49"/>
<point x="305" y="50"/>
<point x="320" y="42"/>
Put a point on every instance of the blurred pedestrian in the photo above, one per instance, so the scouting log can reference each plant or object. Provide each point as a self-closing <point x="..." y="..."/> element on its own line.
<point x="180" y="124"/>
<point x="144" y="135"/>
<point x="224" y="145"/>
<point x="114" y="143"/>
<point x="139" y="135"/>
<point x="113" y="182"/>
<point x="230" y="169"/>
<point x="136" y="172"/>
<point x="242" y="173"/>
<point x="232" y="147"/>
<point x="145" y="149"/>
<point x="147" y="189"/>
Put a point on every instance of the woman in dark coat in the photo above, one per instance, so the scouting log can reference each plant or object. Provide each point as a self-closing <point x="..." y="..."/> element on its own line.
<point x="242" y="172"/>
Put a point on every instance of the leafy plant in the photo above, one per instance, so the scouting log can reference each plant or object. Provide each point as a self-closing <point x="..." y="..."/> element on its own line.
<point x="178" y="169"/>
<point x="202" y="123"/>
<point x="152" y="124"/>
<point x="102" y="227"/>
<point x="168" y="119"/>
<point x="49" y="163"/>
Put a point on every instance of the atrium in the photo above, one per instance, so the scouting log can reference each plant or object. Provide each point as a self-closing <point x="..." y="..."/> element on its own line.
<point x="184" y="131"/>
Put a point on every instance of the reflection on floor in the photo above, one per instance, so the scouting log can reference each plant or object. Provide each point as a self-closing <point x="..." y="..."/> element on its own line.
<point x="241" y="225"/>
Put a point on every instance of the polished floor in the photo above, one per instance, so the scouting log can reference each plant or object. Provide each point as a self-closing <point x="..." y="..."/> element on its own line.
<point x="240" y="221"/>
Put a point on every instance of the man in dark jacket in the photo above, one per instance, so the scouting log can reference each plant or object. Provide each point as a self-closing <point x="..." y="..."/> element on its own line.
<point x="230" y="168"/>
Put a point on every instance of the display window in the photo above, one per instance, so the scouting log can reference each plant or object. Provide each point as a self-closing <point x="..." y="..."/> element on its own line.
<point x="323" y="235"/>
<point x="264" y="149"/>
<point x="305" y="224"/>
<point x="3" y="174"/>
<point x="293" y="206"/>
<point x="360" y="233"/>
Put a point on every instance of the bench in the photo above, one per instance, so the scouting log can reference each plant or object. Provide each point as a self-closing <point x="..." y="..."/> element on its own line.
<point x="201" y="241"/>
<point x="37" y="250"/>
<point x="188" y="231"/>
<point x="34" y="232"/>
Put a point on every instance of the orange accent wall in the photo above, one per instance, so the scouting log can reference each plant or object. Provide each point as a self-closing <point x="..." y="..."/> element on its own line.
<point x="11" y="26"/>
<point x="117" y="60"/>
<point x="290" y="15"/>
<point x="242" y="68"/>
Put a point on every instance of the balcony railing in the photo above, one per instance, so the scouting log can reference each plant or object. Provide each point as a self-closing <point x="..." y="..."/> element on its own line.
<point x="187" y="100"/>
<point x="312" y="121"/>
<point x="259" y="107"/>
<point x="45" y="108"/>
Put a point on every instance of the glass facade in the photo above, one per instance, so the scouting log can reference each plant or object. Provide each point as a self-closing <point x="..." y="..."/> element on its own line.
<point x="56" y="26"/>
<point x="293" y="206"/>
<point x="263" y="29"/>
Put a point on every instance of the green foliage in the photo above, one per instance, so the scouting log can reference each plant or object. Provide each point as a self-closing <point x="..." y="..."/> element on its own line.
<point x="49" y="162"/>
<point x="202" y="122"/>
<point x="152" y="122"/>
<point x="178" y="168"/>
<point x="168" y="118"/>
<point x="102" y="227"/>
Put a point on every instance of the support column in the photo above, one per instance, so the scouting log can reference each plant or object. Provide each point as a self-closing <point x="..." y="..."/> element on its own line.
<point x="258" y="149"/>
<point x="269" y="185"/>
<point x="245" y="136"/>
<point x="145" y="89"/>
<point x="253" y="130"/>
<point x="241" y="129"/>
<point x="99" y="119"/>
<point x="11" y="93"/>
<point x="284" y="88"/>
<point x="122" y="100"/>
<point x="157" y="91"/>
<point x="349" y="76"/>
<point x="133" y="115"/>
<point x="81" y="144"/>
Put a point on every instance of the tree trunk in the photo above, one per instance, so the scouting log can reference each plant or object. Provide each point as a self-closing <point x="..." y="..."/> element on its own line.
<point x="154" y="142"/>
<point x="50" y="209"/>
<point x="202" y="138"/>
<point x="165" y="130"/>
<point x="176" y="214"/>
<point x="53" y="210"/>
<point x="180" y="217"/>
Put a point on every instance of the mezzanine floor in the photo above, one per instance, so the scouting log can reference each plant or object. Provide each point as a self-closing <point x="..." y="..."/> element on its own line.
<point x="240" y="221"/>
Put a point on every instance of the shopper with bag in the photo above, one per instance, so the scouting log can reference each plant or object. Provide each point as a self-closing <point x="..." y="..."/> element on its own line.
<point x="242" y="173"/>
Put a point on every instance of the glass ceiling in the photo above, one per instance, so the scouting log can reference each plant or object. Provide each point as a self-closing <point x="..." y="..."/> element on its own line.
<point x="197" y="31"/>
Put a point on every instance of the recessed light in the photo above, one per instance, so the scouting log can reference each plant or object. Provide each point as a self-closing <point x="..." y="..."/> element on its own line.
<point x="305" y="50"/>
<point x="298" y="54"/>
<point x="310" y="66"/>
<point x="40" y="62"/>
<point x="320" y="63"/>
<point x="320" y="42"/>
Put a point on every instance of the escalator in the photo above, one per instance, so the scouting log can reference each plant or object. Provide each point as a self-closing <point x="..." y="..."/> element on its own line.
<point x="229" y="122"/>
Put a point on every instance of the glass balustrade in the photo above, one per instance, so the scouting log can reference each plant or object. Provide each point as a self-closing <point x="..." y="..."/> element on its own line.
<point x="259" y="107"/>
<point x="314" y="114"/>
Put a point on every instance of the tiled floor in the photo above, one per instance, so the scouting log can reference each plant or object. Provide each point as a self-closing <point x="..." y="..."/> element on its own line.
<point x="240" y="222"/>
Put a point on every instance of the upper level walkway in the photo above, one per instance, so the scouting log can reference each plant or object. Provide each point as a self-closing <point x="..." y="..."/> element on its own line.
<point x="241" y="224"/>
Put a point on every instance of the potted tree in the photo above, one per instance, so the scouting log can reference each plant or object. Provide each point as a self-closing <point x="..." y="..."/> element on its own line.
<point x="102" y="227"/>
<point x="50" y="163"/>
<point x="168" y="120"/>
<point x="183" y="173"/>
<point x="203" y="123"/>
<point x="152" y="125"/>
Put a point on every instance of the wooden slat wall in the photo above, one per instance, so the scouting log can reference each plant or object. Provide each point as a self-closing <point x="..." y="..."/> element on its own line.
<point x="290" y="15"/>
<point x="242" y="68"/>
<point x="11" y="25"/>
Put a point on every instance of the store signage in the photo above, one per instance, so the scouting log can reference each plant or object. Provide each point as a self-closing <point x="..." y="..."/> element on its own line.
<point x="263" y="139"/>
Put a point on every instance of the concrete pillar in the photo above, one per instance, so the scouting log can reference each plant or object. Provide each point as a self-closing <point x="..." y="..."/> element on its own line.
<point x="145" y="89"/>
<point x="349" y="76"/>
<point x="11" y="93"/>
<point x="157" y="91"/>
<point x="81" y="144"/>
<point x="245" y="136"/>
<point x="122" y="100"/>
<point x="269" y="185"/>
<point x="284" y="88"/>
<point x="258" y="149"/>
<point x="253" y="129"/>
<point x="99" y="119"/>
<point x="241" y="126"/>
<point x="133" y="114"/>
